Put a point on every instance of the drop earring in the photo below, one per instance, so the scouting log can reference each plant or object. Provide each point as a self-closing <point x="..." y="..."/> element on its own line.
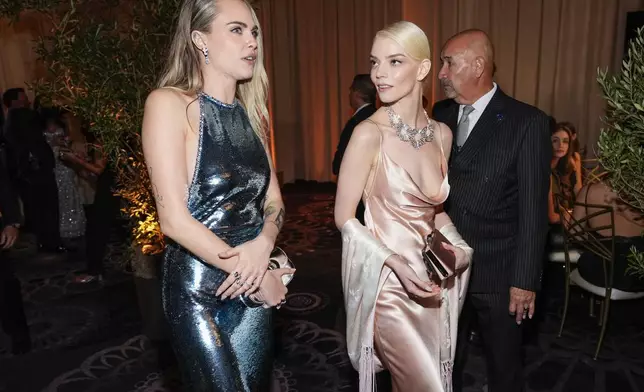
<point x="205" y="54"/>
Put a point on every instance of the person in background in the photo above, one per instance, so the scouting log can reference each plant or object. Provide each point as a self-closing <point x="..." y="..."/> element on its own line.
<point x="499" y="173"/>
<point x="32" y="167"/>
<point x="12" y="313"/>
<point x="102" y="215"/>
<point x="72" y="215"/>
<point x="362" y="97"/>
<point x="563" y="179"/>
<point x="629" y="228"/>
<point x="575" y="155"/>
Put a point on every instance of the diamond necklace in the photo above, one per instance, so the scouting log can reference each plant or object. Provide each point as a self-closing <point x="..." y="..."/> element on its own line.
<point x="416" y="137"/>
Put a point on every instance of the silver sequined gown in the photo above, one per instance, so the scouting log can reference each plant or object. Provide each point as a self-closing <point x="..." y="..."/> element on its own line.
<point x="72" y="215"/>
<point x="221" y="346"/>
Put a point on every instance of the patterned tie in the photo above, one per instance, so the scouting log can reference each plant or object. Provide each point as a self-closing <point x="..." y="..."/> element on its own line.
<point x="463" y="125"/>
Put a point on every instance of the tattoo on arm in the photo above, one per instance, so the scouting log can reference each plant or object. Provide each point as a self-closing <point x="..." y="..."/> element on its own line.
<point x="269" y="210"/>
<point x="157" y="196"/>
<point x="155" y="191"/>
<point x="279" y="219"/>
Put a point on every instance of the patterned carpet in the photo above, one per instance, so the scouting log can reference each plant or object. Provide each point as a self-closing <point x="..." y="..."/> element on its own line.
<point x="90" y="339"/>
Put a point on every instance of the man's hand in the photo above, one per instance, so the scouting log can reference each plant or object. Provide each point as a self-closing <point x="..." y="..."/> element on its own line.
<point x="521" y="303"/>
<point x="8" y="237"/>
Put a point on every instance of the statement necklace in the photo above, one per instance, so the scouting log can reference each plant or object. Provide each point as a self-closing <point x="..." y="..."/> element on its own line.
<point x="416" y="137"/>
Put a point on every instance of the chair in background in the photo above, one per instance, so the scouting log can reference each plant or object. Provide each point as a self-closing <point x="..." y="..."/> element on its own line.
<point x="580" y="235"/>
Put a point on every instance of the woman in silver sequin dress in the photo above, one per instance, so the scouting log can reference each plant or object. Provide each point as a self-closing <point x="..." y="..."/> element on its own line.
<point x="72" y="215"/>
<point x="217" y="198"/>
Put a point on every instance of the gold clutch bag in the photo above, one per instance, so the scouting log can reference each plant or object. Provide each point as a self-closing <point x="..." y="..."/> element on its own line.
<point x="278" y="259"/>
<point x="439" y="261"/>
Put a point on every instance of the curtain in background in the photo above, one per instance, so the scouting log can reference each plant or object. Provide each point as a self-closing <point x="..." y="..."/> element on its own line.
<point x="18" y="60"/>
<point x="547" y="54"/>
<point x="314" y="49"/>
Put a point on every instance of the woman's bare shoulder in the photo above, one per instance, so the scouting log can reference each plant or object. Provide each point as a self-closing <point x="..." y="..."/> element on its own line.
<point x="444" y="131"/>
<point x="367" y="133"/>
<point x="169" y="97"/>
<point x="170" y="109"/>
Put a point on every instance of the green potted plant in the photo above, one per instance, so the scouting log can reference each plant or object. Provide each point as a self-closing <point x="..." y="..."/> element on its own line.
<point x="621" y="142"/>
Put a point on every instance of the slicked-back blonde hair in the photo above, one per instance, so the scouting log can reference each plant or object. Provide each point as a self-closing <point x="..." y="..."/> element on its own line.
<point x="412" y="39"/>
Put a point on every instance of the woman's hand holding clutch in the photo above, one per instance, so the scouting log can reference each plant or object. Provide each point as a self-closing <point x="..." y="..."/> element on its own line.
<point x="250" y="269"/>
<point x="462" y="259"/>
<point x="272" y="291"/>
<point x="410" y="280"/>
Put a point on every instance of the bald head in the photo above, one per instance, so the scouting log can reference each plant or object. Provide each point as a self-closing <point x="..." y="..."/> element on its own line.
<point x="478" y="44"/>
<point x="468" y="66"/>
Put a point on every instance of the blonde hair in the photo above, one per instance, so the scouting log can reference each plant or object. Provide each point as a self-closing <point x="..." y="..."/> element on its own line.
<point x="183" y="69"/>
<point x="412" y="39"/>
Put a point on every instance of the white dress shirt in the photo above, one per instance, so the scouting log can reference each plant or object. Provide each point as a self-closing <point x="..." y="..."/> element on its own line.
<point x="479" y="106"/>
<point x="360" y="108"/>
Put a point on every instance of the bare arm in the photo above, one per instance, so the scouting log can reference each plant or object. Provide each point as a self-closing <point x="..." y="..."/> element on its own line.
<point x="354" y="171"/>
<point x="164" y="147"/>
<point x="94" y="168"/>
<point x="274" y="211"/>
<point x="553" y="214"/>
<point x="578" y="174"/>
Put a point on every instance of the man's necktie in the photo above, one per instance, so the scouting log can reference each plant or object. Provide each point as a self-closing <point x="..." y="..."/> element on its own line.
<point x="463" y="125"/>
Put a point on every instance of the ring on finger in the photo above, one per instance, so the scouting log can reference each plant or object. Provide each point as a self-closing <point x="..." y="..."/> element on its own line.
<point x="236" y="275"/>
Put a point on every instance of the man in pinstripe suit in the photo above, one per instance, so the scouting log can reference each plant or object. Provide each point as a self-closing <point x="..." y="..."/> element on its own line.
<point x="499" y="176"/>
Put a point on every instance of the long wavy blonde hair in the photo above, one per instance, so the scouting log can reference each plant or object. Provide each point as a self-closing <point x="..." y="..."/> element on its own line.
<point x="183" y="70"/>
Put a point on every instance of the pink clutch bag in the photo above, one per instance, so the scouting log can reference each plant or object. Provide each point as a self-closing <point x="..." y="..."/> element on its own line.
<point x="439" y="261"/>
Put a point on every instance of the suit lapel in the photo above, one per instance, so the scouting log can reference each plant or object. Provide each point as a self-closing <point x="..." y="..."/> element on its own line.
<point x="485" y="127"/>
<point x="452" y="118"/>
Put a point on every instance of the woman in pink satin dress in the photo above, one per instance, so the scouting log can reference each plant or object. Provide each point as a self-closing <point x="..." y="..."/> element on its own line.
<point x="396" y="162"/>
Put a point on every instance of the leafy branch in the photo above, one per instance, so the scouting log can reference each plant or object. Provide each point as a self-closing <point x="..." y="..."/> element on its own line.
<point x="621" y="142"/>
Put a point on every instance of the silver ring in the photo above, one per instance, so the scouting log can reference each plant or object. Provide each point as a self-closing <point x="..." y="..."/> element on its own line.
<point x="236" y="275"/>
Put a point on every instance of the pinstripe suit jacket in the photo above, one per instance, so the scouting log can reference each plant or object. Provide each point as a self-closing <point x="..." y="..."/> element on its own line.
<point x="499" y="191"/>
